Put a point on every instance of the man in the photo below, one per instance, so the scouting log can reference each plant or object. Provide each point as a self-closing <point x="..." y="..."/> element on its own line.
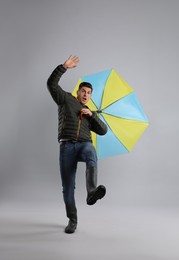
<point x="75" y="122"/>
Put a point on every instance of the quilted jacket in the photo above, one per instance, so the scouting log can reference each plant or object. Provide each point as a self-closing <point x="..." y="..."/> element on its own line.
<point x="70" y="125"/>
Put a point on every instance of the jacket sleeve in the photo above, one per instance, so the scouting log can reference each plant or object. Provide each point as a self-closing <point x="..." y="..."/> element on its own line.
<point x="97" y="125"/>
<point x="57" y="93"/>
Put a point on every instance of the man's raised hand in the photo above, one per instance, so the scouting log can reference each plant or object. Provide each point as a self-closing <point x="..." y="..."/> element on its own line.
<point x="71" y="62"/>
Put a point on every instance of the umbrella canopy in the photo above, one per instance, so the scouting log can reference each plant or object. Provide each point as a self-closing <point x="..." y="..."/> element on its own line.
<point x="118" y="106"/>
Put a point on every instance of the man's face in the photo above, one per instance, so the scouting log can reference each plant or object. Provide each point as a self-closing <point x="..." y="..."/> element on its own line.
<point x="84" y="94"/>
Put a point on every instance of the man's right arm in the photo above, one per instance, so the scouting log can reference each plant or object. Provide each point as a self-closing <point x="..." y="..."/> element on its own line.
<point x="57" y="93"/>
<point x="55" y="90"/>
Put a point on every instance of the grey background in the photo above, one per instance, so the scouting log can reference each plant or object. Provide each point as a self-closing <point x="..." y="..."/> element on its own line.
<point x="140" y="40"/>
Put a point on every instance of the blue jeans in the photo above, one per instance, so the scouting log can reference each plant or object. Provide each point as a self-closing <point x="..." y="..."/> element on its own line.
<point x="70" y="155"/>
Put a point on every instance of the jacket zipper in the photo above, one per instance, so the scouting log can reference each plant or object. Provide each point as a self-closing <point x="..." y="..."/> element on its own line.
<point x="79" y="125"/>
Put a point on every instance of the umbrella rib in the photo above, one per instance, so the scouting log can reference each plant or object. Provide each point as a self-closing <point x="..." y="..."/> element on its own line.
<point x="94" y="104"/>
<point x="114" y="102"/>
<point x="102" y="111"/>
<point x="103" y="92"/>
<point x="129" y="119"/>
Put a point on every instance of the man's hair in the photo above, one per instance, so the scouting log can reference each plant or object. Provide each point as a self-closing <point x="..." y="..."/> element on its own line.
<point x="85" y="84"/>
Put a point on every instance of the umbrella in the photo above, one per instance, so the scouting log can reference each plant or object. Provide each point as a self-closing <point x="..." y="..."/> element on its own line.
<point x="118" y="106"/>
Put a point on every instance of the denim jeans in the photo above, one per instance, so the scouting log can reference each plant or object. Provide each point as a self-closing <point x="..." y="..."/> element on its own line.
<point x="70" y="155"/>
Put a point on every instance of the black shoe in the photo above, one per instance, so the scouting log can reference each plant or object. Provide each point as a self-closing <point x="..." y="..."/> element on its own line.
<point x="71" y="227"/>
<point x="99" y="193"/>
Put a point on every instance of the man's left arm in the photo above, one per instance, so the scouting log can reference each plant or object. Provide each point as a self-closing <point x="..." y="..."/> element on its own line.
<point x="97" y="125"/>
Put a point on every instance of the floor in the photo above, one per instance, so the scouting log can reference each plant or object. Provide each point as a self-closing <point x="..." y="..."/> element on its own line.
<point x="104" y="232"/>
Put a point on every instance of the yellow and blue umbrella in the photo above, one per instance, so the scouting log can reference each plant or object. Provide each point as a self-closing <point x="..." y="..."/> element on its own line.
<point x="118" y="106"/>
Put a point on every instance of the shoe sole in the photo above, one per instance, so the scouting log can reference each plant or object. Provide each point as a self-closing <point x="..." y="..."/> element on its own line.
<point x="99" y="194"/>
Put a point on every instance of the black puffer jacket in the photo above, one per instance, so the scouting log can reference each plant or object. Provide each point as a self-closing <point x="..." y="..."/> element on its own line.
<point x="70" y="126"/>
